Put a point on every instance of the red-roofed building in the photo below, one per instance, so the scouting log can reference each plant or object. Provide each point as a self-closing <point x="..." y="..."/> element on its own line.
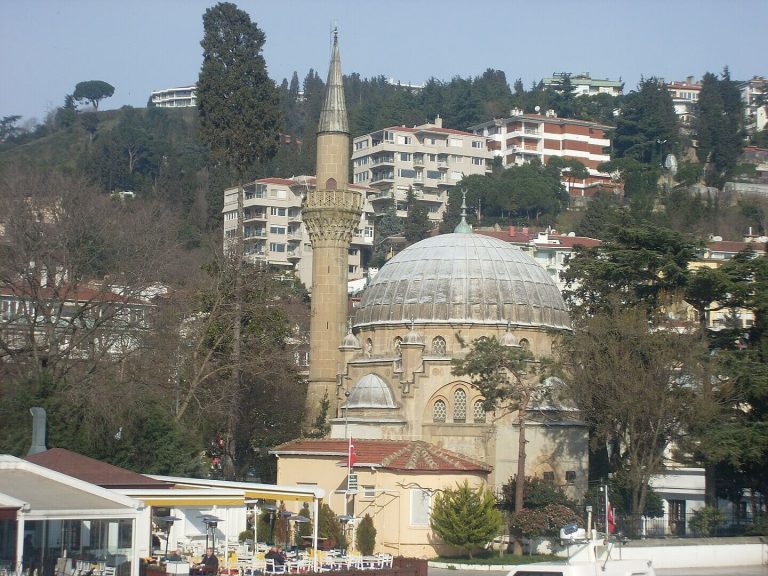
<point x="93" y="471"/>
<point x="523" y="137"/>
<point x="395" y="481"/>
<point x="428" y="158"/>
<point x="550" y="249"/>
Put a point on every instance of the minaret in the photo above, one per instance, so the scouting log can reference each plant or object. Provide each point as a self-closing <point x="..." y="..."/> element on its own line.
<point x="331" y="212"/>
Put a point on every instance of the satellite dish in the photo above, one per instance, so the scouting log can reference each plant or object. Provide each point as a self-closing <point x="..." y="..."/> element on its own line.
<point x="537" y="109"/>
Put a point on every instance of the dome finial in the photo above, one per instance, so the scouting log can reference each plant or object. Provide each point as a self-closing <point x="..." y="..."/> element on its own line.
<point x="462" y="227"/>
<point x="509" y="340"/>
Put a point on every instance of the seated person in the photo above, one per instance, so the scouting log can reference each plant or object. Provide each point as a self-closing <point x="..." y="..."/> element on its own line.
<point x="275" y="555"/>
<point x="208" y="565"/>
<point x="176" y="556"/>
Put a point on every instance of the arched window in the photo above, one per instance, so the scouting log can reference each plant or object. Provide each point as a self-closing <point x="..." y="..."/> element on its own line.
<point x="478" y="412"/>
<point x="438" y="411"/>
<point x="438" y="346"/>
<point x="330" y="184"/>
<point x="369" y="347"/>
<point x="460" y="405"/>
<point x="524" y="344"/>
<point x="396" y="346"/>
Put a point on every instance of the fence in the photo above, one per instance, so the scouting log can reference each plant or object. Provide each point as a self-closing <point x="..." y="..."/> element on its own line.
<point x="684" y="526"/>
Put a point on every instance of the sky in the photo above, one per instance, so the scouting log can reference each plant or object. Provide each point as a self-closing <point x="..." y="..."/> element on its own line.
<point x="48" y="46"/>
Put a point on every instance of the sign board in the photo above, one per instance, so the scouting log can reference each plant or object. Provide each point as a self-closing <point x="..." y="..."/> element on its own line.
<point x="352" y="481"/>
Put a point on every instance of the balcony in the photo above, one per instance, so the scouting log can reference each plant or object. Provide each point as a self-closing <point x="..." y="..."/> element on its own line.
<point x="527" y="149"/>
<point x="383" y="160"/>
<point x="251" y="216"/>
<point x="294" y="254"/>
<point x="418" y="160"/>
<point x="532" y="132"/>
<point x="442" y="165"/>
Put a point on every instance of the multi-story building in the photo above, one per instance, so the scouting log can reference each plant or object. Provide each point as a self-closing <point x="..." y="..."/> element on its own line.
<point x="523" y="137"/>
<point x="584" y="85"/>
<point x="181" y="97"/>
<point x="428" y="159"/>
<point x="274" y="230"/>
<point x="685" y="98"/>
<point x="754" y="95"/>
<point x="549" y="249"/>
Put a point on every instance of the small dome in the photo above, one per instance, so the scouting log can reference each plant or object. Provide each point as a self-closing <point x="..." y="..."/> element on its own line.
<point x="371" y="391"/>
<point x="413" y="337"/>
<point x="462" y="277"/>
<point x="350" y="342"/>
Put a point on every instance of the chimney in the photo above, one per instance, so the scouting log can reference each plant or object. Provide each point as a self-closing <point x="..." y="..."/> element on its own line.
<point x="438" y="121"/>
<point x="512" y="231"/>
<point x="38" y="431"/>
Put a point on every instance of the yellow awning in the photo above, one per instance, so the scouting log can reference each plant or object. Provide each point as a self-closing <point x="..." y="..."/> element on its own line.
<point x="190" y="500"/>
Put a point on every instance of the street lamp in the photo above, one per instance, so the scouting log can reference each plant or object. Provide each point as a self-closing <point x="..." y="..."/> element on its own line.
<point x="211" y="522"/>
<point x="286" y="517"/>
<point x="271" y="508"/>
<point x="168" y="520"/>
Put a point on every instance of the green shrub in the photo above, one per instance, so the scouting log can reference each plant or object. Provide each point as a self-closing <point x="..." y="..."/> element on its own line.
<point x="366" y="536"/>
<point x="706" y="520"/>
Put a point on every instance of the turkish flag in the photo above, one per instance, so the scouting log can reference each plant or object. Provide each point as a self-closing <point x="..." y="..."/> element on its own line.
<point x="351" y="455"/>
<point x="611" y="520"/>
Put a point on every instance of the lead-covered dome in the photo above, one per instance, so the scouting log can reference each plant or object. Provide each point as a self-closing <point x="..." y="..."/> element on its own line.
<point x="462" y="277"/>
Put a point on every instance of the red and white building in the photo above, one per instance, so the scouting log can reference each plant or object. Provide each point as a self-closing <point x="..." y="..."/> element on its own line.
<point x="685" y="97"/>
<point x="523" y="137"/>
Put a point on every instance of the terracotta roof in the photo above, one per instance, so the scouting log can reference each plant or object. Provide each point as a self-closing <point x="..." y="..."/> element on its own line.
<point x="412" y="455"/>
<point x="306" y="180"/>
<point x="283" y="181"/>
<point x="93" y="471"/>
<point x="735" y="246"/>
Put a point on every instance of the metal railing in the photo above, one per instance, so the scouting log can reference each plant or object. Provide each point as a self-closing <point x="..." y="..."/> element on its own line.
<point x="684" y="526"/>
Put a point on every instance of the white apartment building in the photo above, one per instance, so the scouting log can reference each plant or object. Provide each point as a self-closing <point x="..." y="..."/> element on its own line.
<point x="428" y="158"/>
<point x="685" y="98"/>
<point x="754" y="95"/>
<point x="274" y="232"/>
<point x="584" y="85"/>
<point x="523" y="137"/>
<point x="181" y="97"/>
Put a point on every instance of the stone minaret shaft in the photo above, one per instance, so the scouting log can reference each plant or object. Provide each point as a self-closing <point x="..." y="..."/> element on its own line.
<point x="331" y="212"/>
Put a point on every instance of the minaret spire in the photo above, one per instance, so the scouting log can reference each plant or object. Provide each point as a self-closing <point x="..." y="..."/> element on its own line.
<point x="462" y="227"/>
<point x="333" y="116"/>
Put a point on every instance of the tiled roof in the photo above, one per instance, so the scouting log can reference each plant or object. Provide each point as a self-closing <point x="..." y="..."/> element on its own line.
<point x="734" y="246"/>
<point x="93" y="471"/>
<point x="304" y="180"/>
<point x="426" y="128"/>
<point x="412" y="455"/>
<point x="69" y="294"/>
<point x="283" y="181"/>
<point x="523" y="238"/>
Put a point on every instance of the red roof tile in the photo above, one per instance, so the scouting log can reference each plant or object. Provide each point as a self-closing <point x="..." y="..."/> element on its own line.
<point x="93" y="471"/>
<point x="563" y="241"/>
<point x="735" y="246"/>
<point x="414" y="455"/>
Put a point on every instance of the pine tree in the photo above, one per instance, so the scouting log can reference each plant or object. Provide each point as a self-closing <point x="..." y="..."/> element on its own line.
<point x="466" y="517"/>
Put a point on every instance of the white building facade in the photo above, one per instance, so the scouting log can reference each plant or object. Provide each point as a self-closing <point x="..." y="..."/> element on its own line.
<point x="181" y="97"/>
<point x="274" y="231"/>
<point x="428" y="159"/>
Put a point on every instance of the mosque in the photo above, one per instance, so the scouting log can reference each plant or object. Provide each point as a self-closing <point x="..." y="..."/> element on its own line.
<point x="415" y="427"/>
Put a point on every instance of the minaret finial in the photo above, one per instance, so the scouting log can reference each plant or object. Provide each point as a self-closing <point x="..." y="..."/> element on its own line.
<point x="333" y="115"/>
<point x="462" y="227"/>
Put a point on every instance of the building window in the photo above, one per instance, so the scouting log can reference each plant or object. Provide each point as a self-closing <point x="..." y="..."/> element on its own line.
<point x="439" y="411"/>
<point x="549" y="477"/>
<point x="438" y="346"/>
<point x="405" y="156"/>
<point x="352" y="268"/>
<point x="396" y="346"/>
<point x="330" y="184"/>
<point x="406" y="173"/>
<point x="478" y="161"/>
<point x="277" y="229"/>
<point x="478" y="412"/>
<point x="369" y="492"/>
<point x="421" y="506"/>
<point x="524" y="344"/>
<point x="478" y="143"/>
<point x="369" y="347"/>
<point x="570" y="476"/>
<point x="276" y="211"/>
<point x="460" y="405"/>
<point x="276" y="247"/>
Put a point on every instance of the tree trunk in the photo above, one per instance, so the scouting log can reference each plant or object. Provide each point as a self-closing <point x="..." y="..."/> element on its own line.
<point x="520" y="482"/>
